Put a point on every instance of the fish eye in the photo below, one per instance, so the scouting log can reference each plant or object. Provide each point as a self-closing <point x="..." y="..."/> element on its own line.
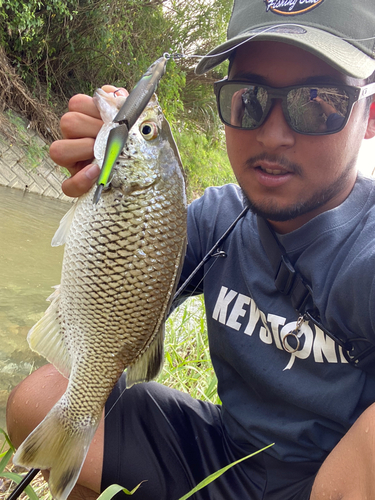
<point x="149" y="130"/>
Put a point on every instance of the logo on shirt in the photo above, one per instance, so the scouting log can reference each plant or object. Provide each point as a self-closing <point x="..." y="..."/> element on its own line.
<point x="291" y="7"/>
<point x="239" y="312"/>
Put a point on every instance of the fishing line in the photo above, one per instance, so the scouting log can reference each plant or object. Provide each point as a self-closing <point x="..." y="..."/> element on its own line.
<point x="210" y="254"/>
<point x="358" y="39"/>
<point x="115" y="403"/>
<point x="33" y="472"/>
<point x="183" y="55"/>
<point x="217" y="255"/>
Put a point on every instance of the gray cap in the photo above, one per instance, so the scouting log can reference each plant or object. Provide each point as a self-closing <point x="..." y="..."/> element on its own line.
<point x="340" y="32"/>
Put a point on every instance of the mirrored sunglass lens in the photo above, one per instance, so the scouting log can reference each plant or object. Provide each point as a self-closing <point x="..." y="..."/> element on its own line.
<point x="317" y="110"/>
<point x="242" y="106"/>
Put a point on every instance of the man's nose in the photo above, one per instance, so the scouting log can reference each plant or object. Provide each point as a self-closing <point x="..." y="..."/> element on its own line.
<point x="275" y="133"/>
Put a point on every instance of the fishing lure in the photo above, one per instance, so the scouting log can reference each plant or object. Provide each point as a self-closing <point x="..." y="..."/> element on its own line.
<point x="129" y="113"/>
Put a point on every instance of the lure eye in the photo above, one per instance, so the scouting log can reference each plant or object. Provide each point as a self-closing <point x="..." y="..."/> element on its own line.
<point x="149" y="130"/>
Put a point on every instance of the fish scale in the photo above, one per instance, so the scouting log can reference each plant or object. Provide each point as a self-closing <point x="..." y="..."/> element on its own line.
<point x="121" y="263"/>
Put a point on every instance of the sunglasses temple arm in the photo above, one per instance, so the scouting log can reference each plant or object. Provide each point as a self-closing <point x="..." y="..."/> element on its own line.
<point x="367" y="91"/>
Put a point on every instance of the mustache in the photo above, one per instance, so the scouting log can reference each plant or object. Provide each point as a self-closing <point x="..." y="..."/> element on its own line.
<point x="290" y="166"/>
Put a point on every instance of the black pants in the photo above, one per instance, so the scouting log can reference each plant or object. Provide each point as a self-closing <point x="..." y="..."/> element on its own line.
<point x="172" y="442"/>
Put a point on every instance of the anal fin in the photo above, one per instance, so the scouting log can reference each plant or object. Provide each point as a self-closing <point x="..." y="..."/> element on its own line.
<point x="149" y="364"/>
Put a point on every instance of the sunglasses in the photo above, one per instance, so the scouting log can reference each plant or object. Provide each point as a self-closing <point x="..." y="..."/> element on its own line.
<point x="308" y="109"/>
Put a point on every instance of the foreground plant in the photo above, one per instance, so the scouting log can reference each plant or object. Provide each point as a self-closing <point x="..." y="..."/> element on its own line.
<point x="112" y="490"/>
<point x="37" y="491"/>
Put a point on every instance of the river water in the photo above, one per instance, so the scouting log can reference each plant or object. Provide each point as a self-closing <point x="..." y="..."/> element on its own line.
<point x="29" y="268"/>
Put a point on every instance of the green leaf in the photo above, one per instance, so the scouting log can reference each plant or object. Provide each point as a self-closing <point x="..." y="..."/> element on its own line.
<point x="5" y="460"/>
<point x="8" y="440"/>
<point x="218" y="473"/>
<point x="112" y="490"/>
<point x="17" y="479"/>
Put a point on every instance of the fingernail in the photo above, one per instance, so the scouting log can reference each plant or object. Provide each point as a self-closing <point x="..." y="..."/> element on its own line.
<point x="93" y="172"/>
<point x="122" y="92"/>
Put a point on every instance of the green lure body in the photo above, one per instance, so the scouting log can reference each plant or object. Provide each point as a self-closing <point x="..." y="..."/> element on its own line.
<point x="129" y="113"/>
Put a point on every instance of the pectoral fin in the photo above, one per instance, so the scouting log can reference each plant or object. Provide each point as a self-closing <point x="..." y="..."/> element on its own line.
<point x="63" y="229"/>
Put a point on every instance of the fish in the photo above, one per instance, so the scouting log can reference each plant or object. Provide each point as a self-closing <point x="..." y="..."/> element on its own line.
<point x="122" y="260"/>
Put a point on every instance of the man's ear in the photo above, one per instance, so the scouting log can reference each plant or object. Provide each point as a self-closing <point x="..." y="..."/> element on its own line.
<point x="370" y="131"/>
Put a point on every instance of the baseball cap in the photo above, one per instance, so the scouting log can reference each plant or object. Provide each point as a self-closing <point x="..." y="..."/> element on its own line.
<point x="340" y="32"/>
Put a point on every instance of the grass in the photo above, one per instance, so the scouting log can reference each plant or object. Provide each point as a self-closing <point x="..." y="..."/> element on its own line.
<point x="10" y="475"/>
<point x="205" y="160"/>
<point x="187" y="364"/>
<point x="32" y="147"/>
<point x="111" y="491"/>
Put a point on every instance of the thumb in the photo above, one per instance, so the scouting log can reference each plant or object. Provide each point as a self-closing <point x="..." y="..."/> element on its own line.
<point x="116" y="90"/>
<point x="82" y="181"/>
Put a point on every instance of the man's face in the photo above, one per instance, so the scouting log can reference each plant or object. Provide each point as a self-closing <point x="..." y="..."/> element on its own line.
<point x="288" y="177"/>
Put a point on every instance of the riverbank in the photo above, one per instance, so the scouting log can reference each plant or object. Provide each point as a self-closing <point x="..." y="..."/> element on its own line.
<point x="24" y="160"/>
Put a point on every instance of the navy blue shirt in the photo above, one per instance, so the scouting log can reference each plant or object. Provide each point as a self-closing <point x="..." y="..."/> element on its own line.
<point x="303" y="402"/>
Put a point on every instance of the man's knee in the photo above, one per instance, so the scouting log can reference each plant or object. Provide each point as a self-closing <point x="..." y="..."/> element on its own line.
<point x="30" y="401"/>
<point x="348" y="473"/>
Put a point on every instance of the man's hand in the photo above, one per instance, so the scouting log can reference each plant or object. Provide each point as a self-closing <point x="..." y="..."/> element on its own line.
<point x="75" y="151"/>
<point x="237" y="108"/>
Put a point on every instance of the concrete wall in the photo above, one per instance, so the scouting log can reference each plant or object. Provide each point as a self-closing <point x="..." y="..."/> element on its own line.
<point x="17" y="171"/>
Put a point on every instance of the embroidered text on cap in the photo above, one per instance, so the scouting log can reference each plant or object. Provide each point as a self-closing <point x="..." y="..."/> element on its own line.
<point x="291" y="7"/>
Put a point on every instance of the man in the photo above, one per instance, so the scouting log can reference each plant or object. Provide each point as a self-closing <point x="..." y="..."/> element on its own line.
<point x="306" y="398"/>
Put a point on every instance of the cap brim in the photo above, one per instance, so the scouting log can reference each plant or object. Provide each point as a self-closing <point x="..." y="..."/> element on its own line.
<point x="338" y="53"/>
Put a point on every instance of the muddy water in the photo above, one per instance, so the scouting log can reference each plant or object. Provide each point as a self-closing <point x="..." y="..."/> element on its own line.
<point x="29" y="267"/>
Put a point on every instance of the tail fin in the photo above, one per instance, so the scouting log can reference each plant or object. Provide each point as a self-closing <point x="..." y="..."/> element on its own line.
<point x="56" y="446"/>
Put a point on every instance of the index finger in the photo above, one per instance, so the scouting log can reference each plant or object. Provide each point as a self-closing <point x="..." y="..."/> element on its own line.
<point x="82" y="103"/>
<point x="111" y="88"/>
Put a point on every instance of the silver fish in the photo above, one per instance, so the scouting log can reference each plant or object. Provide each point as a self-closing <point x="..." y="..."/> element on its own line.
<point x="121" y="262"/>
